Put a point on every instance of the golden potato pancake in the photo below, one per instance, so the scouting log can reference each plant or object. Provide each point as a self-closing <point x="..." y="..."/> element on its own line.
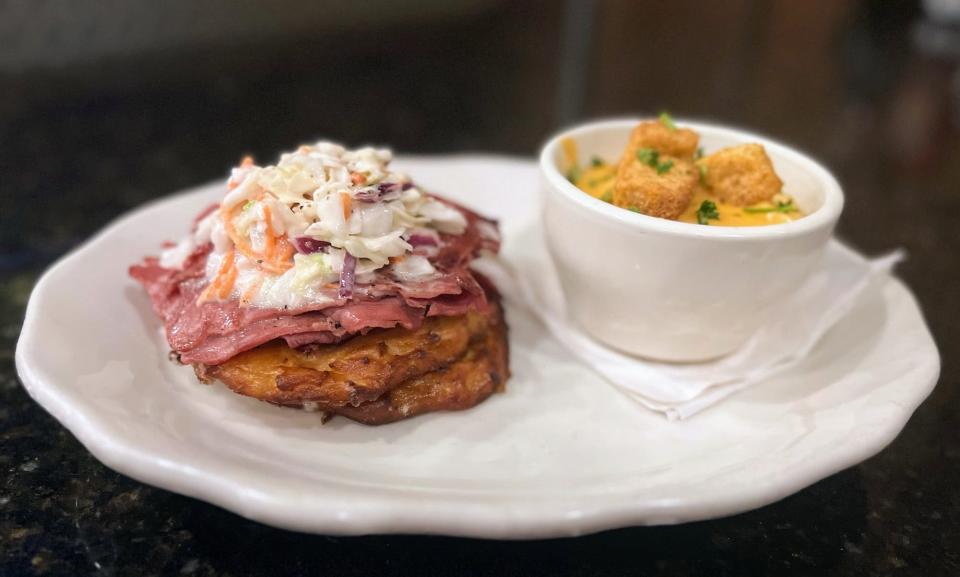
<point x="448" y="363"/>
<point x="479" y="373"/>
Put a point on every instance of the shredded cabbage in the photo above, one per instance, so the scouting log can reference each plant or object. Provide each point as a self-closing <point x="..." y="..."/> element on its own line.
<point x="346" y="200"/>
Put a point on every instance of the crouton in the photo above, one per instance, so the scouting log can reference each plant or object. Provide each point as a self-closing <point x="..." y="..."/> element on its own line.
<point x="741" y="175"/>
<point x="660" y="188"/>
<point x="679" y="142"/>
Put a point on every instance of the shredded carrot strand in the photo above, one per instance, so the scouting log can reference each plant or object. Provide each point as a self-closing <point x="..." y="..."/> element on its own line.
<point x="277" y="252"/>
<point x="229" y="279"/>
<point x="285" y="249"/>
<point x="346" y="201"/>
<point x="241" y="243"/>
<point x="357" y="178"/>
<point x="205" y="295"/>
<point x="274" y="268"/>
<point x="269" y="240"/>
<point x="222" y="282"/>
<point x="280" y="262"/>
<point x="247" y="296"/>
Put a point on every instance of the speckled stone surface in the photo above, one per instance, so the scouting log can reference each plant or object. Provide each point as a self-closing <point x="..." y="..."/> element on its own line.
<point x="76" y="152"/>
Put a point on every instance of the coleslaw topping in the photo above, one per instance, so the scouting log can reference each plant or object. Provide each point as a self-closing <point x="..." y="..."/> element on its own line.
<point x="282" y="233"/>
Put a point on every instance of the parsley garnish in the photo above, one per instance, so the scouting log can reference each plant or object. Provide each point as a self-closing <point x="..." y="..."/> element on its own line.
<point x="596" y="161"/>
<point x="707" y="211"/>
<point x="783" y="207"/>
<point x="573" y="174"/>
<point x="667" y="120"/>
<point x="607" y="196"/>
<point x="648" y="156"/>
<point x="634" y="209"/>
<point x="703" y="174"/>
<point x="698" y="154"/>
<point x="651" y="158"/>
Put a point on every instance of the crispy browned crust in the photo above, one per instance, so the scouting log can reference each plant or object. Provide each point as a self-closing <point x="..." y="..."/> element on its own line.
<point x="482" y="371"/>
<point x="449" y="363"/>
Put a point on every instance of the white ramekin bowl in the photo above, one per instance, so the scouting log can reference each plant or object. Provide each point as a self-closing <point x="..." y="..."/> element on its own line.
<point x="675" y="291"/>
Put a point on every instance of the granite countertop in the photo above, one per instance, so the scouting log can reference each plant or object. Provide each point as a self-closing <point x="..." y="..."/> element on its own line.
<point x="65" y="170"/>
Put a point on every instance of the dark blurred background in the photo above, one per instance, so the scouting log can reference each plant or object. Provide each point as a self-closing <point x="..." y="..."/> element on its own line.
<point x="105" y="105"/>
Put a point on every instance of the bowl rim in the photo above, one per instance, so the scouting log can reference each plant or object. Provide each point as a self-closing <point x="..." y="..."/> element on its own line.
<point x="825" y="216"/>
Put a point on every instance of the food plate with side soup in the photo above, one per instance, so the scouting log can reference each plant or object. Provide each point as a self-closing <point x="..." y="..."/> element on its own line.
<point x="559" y="453"/>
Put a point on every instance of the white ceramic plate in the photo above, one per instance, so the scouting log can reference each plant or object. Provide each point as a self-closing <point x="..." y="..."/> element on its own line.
<point x="560" y="453"/>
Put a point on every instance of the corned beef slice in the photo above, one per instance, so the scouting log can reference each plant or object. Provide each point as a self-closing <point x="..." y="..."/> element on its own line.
<point x="215" y="331"/>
